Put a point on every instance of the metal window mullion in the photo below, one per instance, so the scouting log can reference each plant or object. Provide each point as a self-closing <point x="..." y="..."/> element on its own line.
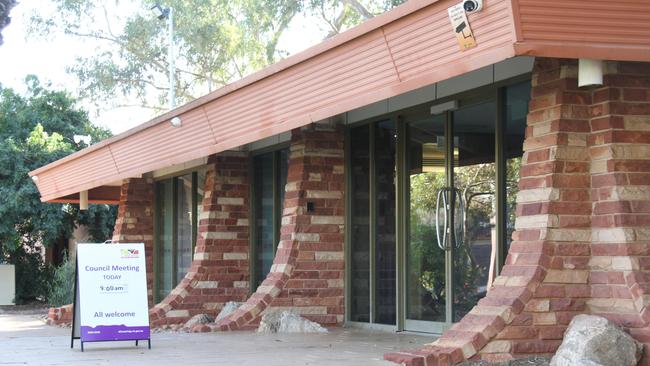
<point x="372" y="209"/>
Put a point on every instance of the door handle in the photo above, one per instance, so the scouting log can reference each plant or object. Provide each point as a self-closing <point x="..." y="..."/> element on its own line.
<point x="460" y="237"/>
<point x="441" y="197"/>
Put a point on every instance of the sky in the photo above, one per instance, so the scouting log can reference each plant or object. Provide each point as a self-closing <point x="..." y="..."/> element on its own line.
<point x="21" y="55"/>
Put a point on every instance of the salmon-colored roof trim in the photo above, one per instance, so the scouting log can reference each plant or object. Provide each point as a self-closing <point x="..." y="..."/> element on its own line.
<point x="324" y="46"/>
<point x="409" y="47"/>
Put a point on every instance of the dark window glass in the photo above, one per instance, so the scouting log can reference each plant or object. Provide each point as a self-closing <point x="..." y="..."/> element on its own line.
<point x="385" y="145"/>
<point x="264" y="236"/>
<point x="164" y="238"/>
<point x="360" y="224"/>
<point x="270" y="179"/>
<point x="517" y="98"/>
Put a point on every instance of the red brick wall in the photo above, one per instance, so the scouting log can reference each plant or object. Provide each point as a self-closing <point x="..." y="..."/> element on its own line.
<point x="220" y="269"/>
<point x="308" y="270"/>
<point x="59" y="316"/>
<point x="134" y="222"/>
<point x="582" y="239"/>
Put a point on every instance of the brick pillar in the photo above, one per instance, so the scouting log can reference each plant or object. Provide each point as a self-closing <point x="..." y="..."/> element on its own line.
<point x="134" y="222"/>
<point x="308" y="270"/>
<point x="220" y="269"/>
<point x="581" y="243"/>
<point x="620" y="151"/>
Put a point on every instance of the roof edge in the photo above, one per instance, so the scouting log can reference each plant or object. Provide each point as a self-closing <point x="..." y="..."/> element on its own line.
<point x="322" y="47"/>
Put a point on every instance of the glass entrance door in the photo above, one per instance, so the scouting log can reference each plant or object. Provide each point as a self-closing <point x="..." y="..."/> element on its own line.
<point x="451" y="241"/>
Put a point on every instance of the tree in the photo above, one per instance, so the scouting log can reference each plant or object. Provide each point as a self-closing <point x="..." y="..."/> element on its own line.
<point x="5" y="7"/>
<point x="35" y="130"/>
<point x="217" y="42"/>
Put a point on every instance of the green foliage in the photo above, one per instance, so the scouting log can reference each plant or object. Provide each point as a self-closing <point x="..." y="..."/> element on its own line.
<point x="60" y="290"/>
<point x="5" y="8"/>
<point x="216" y="42"/>
<point x="35" y="130"/>
<point x="32" y="275"/>
<point x="427" y="261"/>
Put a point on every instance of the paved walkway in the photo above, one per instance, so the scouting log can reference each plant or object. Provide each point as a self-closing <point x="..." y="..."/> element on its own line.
<point x="26" y="340"/>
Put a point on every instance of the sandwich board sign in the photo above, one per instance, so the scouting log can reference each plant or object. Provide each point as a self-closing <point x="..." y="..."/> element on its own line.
<point x="110" y="294"/>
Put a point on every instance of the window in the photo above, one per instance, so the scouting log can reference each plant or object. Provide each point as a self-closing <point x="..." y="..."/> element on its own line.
<point x="372" y="222"/>
<point x="268" y="187"/>
<point x="178" y="207"/>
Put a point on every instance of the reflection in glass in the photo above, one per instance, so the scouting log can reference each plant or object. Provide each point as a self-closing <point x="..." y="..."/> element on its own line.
<point x="184" y="232"/>
<point x="165" y="239"/>
<point x="475" y="239"/>
<point x="360" y="224"/>
<point x="425" y="272"/>
<point x="178" y="206"/>
<point x="270" y="178"/>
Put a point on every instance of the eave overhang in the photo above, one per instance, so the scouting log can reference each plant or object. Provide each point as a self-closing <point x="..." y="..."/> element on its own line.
<point x="402" y="50"/>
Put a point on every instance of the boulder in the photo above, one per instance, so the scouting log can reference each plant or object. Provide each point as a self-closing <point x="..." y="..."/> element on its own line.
<point x="198" y="319"/>
<point x="227" y="309"/>
<point x="287" y="322"/>
<point x="595" y="341"/>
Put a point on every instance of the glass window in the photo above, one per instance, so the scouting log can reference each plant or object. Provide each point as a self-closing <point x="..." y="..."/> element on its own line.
<point x="372" y="218"/>
<point x="385" y="149"/>
<point x="517" y="98"/>
<point x="184" y="224"/>
<point x="360" y="224"/>
<point x="178" y="206"/>
<point x="164" y="244"/>
<point x="269" y="181"/>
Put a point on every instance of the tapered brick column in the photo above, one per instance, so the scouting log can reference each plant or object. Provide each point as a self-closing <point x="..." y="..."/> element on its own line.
<point x="134" y="222"/>
<point x="220" y="269"/>
<point x="307" y="275"/>
<point x="582" y="242"/>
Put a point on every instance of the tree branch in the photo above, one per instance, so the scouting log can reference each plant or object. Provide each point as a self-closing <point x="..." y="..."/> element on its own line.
<point x="359" y="8"/>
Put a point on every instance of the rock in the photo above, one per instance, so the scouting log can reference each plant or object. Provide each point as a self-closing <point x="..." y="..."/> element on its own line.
<point x="287" y="322"/>
<point x="595" y="341"/>
<point x="227" y="309"/>
<point x="198" y="319"/>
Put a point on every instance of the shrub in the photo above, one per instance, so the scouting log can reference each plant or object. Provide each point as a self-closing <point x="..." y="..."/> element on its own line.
<point x="61" y="286"/>
<point x="31" y="274"/>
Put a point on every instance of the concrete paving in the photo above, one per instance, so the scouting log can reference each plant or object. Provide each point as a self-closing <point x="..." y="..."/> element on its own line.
<point x="26" y="340"/>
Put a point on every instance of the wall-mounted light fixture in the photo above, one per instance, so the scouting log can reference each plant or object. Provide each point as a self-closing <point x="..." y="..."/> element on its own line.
<point x="176" y="121"/>
<point x="83" y="200"/>
<point x="590" y="73"/>
<point x="35" y="178"/>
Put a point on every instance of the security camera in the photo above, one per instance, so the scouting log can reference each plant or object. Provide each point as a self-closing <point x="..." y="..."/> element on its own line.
<point x="472" y="6"/>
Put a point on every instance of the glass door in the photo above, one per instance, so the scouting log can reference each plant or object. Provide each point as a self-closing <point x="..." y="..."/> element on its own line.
<point x="450" y="241"/>
<point x="427" y="258"/>
<point x="474" y="187"/>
